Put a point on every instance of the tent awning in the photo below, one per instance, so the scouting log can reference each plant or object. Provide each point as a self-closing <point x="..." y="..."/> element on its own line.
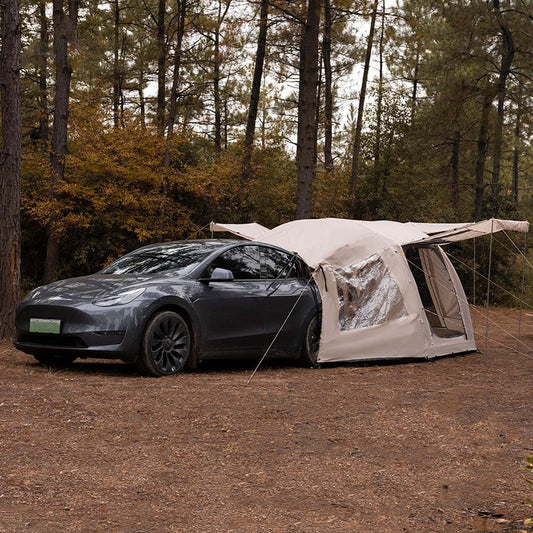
<point x="446" y="233"/>
<point x="252" y="231"/>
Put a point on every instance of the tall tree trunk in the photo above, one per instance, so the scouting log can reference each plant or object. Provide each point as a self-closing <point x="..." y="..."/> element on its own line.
<point x="217" y="63"/>
<point x="387" y="165"/>
<point x="11" y="130"/>
<point x="317" y="110"/>
<point x="142" y="102"/>
<point x="255" y="92"/>
<point x="44" y="43"/>
<point x="161" y="67"/>
<point x="354" y="176"/>
<point x="263" y="124"/>
<point x="216" y="91"/>
<point x="176" y="75"/>
<point x="516" y="147"/>
<point x="116" y="64"/>
<point x="482" y="145"/>
<point x="379" y="107"/>
<point x="508" y="52"/>
<point x="414" y="95"/>
<point x="226" y="122"/>
<point x="307" y="103"/>
<point x="328" y="92"/>
<point x="456" y="151"/>
<point x="64" y="30"/>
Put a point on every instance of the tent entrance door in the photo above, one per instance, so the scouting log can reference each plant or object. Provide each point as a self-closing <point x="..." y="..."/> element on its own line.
<point x="437" y="291"/>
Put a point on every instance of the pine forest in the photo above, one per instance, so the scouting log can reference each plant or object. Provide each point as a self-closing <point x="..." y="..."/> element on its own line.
<point x="127" y="122"/>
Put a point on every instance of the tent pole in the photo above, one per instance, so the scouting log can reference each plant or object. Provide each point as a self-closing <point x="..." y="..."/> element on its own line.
<point x="488" y="290"/>
<point x="474" y="283"/>
<point x="522" y="292"/>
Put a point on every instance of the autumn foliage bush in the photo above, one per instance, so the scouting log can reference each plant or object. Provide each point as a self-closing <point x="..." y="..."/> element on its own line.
<point x="118" y="195"/>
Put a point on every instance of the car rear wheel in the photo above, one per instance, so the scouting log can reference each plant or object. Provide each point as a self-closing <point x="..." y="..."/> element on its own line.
<point x="55" y="360"/>
<point x="311" y="344"/>
<point x="166" y="345"/>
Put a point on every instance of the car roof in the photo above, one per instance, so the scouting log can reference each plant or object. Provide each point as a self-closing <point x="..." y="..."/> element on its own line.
<point x="213" y="243"/>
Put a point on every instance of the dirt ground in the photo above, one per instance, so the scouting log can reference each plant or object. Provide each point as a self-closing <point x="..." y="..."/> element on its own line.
<point x="414" y="446"/>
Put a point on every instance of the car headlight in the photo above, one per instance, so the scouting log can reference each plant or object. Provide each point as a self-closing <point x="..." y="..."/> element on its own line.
<point x="120" y="299"/>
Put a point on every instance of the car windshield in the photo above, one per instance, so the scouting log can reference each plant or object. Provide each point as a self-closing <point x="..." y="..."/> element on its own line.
<point x="179" y="257"/>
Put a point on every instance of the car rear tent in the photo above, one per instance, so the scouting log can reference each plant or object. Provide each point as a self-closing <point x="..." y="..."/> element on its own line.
<point x="388" y="289"/>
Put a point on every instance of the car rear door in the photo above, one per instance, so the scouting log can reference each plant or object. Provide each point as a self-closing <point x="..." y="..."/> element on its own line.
<point x="286" y="278"/>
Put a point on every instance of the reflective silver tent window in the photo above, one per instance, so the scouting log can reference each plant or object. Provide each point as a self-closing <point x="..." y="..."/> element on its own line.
<point x="367" y="294"/>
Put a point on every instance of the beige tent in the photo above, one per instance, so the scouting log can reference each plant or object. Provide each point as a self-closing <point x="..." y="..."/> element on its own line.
<point x="388" y="289"/>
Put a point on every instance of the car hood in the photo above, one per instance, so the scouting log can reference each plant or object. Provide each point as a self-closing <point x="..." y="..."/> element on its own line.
<point x="86" y="288"/>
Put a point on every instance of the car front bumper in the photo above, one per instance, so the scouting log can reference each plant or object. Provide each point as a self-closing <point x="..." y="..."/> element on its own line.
<point x="86" y="330"/>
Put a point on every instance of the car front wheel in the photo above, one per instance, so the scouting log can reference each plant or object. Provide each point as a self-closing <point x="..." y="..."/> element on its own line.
<point x="166" y="345"/>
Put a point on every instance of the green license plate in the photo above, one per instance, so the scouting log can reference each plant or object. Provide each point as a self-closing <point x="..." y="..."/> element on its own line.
<point x="45" y="325"/>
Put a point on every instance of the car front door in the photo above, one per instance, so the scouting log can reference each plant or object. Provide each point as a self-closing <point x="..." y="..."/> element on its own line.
<point x="230" y="310"/>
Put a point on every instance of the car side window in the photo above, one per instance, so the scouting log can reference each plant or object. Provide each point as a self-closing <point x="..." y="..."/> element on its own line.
<point x="243" y="261"/>
<point x="277" y="264"/>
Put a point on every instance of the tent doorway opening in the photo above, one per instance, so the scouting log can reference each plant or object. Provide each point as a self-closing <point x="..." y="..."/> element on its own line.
<point x="437" y="290"/>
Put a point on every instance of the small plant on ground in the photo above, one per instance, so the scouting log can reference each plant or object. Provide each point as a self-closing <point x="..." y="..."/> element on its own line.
<point x="528" y="522"/>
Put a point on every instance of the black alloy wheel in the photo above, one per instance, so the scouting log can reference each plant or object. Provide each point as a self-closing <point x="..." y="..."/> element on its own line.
<point x="311" y="345"/>
<point x="166" y="345"/>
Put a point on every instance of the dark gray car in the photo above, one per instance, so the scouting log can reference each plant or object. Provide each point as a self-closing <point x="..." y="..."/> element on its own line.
<point x="167" y="305"/>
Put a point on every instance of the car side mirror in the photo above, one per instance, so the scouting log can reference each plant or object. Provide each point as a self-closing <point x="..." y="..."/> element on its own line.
<point x="219" y="274"/>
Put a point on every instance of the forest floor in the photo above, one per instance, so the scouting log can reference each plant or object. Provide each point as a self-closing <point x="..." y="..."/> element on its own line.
<point x="413" y="446"/>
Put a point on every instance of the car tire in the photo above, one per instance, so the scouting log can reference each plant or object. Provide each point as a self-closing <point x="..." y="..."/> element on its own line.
<point x="166" y="345"/>
<point x="55" y="360"/>
<point x="309" y="352"/>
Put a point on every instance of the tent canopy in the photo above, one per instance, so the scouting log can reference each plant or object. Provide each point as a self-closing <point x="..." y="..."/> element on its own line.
<point x="318" y="240"/>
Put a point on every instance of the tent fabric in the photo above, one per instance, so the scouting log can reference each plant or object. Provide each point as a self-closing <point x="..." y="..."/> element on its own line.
<point x="250" y="231"/>
<point x="445" y="233"/>
<point x="330" y="239"/>
<point x="372" y="294"/>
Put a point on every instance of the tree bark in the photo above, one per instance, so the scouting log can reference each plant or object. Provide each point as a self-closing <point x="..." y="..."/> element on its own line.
<point x="64" y="30"/>
<point x="44" y="43"/>
<point x="216" y="84"/>
<point x="173" y="112"/>
<point x="116" y="64"/>
<point x="414" y="96"/>
<point x="10" y="149"/>
<point x="516" y="147"/>
<point x="142" y="102"/>
<point x="354" y="176"/>
<point x="456" y="151"/>
<point x="161" y="67"/>
<point x="387" y="165"/>
<point x="328" y="92"/>
<point x="379" y="107"/>
<point x="317" y="109"/>
<point x="307" y="103"/>
<point x="255" y="92"/>
<point x="482" y="145"/>
<point x="505" y="69"/>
